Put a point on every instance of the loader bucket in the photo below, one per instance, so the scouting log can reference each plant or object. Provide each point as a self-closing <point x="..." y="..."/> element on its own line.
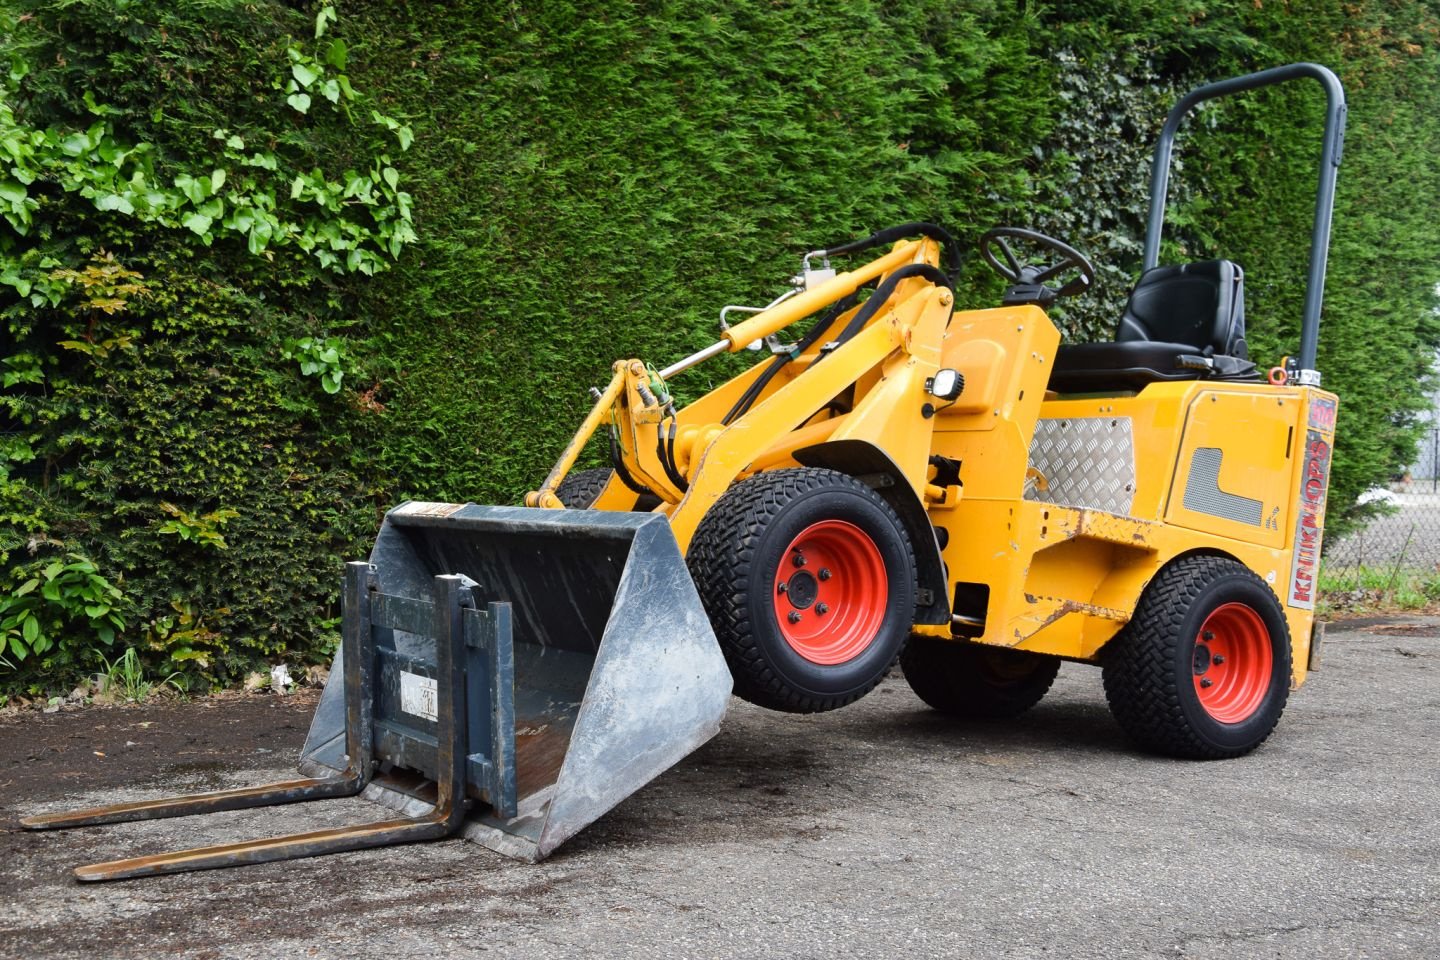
<point x="616" y="672"/>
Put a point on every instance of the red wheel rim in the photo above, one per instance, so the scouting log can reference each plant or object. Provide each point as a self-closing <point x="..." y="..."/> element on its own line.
<point x="1232" y="663"/>
<point x="830" y="592"/>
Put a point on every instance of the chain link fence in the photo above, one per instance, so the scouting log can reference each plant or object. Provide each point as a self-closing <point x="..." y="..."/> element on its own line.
<point x="1395" y="558"/>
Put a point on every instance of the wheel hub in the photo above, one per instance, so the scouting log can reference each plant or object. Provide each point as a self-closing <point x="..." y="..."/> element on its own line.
<point x="1202" y="659"/>
<point x="830" y="592"/>
<point x="801" y="590"/>
<point x="1232" y="663"/>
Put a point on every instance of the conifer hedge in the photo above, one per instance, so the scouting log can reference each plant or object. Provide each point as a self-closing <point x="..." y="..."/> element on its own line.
<point x="379" y="249"/>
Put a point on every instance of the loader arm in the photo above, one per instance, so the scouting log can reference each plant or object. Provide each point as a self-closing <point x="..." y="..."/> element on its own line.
<point x="660" y="446"/>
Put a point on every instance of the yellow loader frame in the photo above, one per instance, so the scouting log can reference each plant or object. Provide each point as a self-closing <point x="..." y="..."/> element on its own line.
<point x="1040" y="522"/>
<point x="1061" y="580"/>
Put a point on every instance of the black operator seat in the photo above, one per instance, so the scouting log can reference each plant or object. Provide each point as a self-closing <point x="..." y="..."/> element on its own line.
<point x="1184" y="322"/>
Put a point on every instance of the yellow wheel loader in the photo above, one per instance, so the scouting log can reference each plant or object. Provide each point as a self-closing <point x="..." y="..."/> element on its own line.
<point x="955" y="489"/>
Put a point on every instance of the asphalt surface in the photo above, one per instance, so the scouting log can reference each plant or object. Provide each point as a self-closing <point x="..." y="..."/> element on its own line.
<point x="881" y="830"/>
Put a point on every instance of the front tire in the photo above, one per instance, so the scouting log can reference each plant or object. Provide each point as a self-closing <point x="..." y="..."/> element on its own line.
<point x="808" y="577"/>
<point x="1202" y="671"/>
<point x="582" y="488"/>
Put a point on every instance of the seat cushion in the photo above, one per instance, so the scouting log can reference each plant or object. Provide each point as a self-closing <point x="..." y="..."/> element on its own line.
<point x="1202" y="304"/>
<point x="1108" y="367"/>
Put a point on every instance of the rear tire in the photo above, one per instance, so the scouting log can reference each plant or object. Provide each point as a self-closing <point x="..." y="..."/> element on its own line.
<point x="808" y="577"/>
<point x="1202" y="671"/>
<point x="976" y="681"/>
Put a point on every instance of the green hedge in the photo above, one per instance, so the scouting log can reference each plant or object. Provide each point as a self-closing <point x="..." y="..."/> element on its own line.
<point x="587" y="181"/>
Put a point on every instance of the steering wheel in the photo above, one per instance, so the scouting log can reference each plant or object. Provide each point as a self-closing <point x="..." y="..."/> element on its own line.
<point x="1029" y="282"/>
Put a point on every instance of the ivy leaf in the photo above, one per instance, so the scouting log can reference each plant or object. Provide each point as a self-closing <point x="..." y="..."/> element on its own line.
<point x="331" y="90"/>
<point x="12" y="191"/>
<point x="406" y="136"/>
<point x="195" y="190"/>
<point x="217" y="180"/>
<point x="304" y="75"/>
<point x="198" y="223"/>
<point x="75" y="144"/>
<point x="300" y="101"/>
<point x="113" y="201"/>
<point x="330" y="381"/>
<point x="392" y="177"/>
<point x="325" y="17"/>
<point x="336" y="54"/>
<point x="112" y="153"/>
<point x="235" y="143"/>
<point x="99" y="109"/>
<point x="297" y="187"/>
<point x="241" y="221"/>
<point x="27" y="586"/>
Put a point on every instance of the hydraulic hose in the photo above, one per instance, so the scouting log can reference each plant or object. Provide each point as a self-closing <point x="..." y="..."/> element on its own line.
<point x="890" y="234"/>
<point x="752" y="393"/>
<point x="884" y="292"/>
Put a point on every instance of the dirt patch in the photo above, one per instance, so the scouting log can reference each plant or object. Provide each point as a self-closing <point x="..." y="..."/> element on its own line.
<point x="1404" y="629"/>
<point x="47" y="756"/>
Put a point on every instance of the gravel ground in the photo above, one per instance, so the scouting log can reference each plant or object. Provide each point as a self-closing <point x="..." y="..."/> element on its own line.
<point x="879" y="830"/>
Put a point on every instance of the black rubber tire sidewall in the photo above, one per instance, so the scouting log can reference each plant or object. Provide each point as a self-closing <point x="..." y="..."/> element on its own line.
<point x="582" y="487"/>
<point x="960" y="678"/>
<point x="1148" y="668"/>
<point x="1255" y="728"/>
<point x="860" y="673"/>
<point x="734" y="556"/>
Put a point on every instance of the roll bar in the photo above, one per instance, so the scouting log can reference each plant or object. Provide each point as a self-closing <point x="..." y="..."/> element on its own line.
<point x="1330" y="152"/>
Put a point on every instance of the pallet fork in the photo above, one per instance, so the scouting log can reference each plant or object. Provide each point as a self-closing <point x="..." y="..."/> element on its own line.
<point x="533" y="694"/>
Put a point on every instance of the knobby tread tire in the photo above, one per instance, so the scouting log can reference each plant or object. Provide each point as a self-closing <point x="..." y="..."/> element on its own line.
<point x="1146" y="668"/>
<point x="974" y="681"/>
<point x="581" y="488"/>
<point x="723" y="559"/>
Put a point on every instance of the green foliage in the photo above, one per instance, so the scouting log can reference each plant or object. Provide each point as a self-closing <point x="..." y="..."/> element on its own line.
<point x="204" y="220"/>
<point x="149" y="417"/>
<point x="597" y="180"/>
<point x="1377" y="589"/>
<point x="266" y="198"/>
<point x="203" y="530"/>
<point x="124" y="678"/>
<point x="324" y="358"/>
<point x="59" y="608"/>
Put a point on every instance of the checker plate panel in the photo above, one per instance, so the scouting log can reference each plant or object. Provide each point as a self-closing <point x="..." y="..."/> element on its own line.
<point x="1086" y="462"/>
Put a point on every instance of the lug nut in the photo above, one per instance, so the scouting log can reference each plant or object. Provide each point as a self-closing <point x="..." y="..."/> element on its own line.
<point x="1207" y="635"/>
<point x="824" y="573"/>
<point x="794" y="616"/>
<point x="1218" y="660"/>
<point x="1205" y="681"/>
<point x="782" y="587"/>
<point x="798" y="559"/>
<point x="822" y="608"/>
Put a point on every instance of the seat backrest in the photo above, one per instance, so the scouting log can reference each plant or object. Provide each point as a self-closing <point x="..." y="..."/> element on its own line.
<point x="1198" y="304"/>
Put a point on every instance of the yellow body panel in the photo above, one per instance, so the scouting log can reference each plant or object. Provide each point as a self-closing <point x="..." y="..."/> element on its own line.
<point x="1063" y="579"/>
<point x="1067" y="505"/>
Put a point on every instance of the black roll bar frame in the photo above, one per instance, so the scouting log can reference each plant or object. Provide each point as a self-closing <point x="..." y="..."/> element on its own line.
<point x="1330" y="153"/>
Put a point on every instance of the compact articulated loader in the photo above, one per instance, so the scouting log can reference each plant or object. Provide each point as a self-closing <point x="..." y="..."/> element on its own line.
<point x="955" y="489"/>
